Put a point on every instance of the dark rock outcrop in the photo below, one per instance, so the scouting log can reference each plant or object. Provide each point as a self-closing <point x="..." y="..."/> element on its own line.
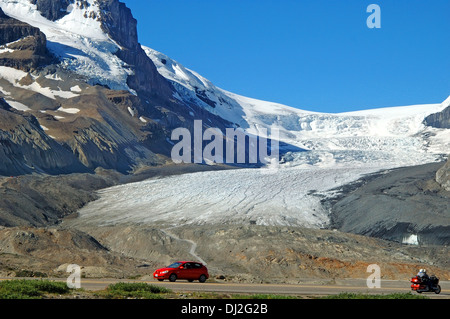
<point x="51" y="9"/>
<point x="39" y="200"/>
<point x="13" y="30"/>
<point x="443" y="176"/>
<point x="118" y="21"/>
<point x="396" y="205"/>
<point x="440" y="119"/>
<point x="27" y="45"/>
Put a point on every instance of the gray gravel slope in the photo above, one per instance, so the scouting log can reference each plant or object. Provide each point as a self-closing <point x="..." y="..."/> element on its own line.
<point x="394" y="205"/>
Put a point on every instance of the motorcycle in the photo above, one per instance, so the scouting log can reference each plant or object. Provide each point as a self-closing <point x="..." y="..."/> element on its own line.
<point x="425" y="285"/>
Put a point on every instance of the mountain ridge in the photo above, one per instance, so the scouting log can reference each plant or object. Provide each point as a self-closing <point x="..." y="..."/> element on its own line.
<point x="134" y="89"/>
<point x="110" y="127"/>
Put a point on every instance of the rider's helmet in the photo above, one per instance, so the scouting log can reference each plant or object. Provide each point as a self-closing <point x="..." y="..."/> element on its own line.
<point x="422" y="272"/>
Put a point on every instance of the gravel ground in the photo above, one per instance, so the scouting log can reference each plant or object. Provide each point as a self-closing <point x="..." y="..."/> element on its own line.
<point x="397" y="205"/>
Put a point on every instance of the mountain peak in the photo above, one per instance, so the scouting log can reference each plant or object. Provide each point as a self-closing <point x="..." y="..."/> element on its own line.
<point x="118" y="21"/>
<point x="112" y="17"/>
<point x="96" y="39"/>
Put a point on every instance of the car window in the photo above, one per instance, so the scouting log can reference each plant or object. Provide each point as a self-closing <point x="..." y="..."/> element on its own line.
<point x="174" y="265"/>
<point x="197" y="265"/>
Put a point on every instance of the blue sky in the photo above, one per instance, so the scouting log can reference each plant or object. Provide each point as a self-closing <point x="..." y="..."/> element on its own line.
<point x="317" y="55"/>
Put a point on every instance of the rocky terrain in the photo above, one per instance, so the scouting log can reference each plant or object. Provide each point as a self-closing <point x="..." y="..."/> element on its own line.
<point x="403" y="201"/>
<point x="240" y="254"/>
<point x="38" y="201"/>
<point x="443" y="176"/>
<point x="440" y="119"/>
<point x="46" y="252"/>
<point x="22" y="46"/>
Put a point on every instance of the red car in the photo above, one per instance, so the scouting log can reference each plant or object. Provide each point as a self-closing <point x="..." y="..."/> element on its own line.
<point x="189" y="270"/>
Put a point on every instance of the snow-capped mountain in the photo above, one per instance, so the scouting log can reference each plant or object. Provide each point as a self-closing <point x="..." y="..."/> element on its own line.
<point x="88" y="85"/>
<point x="78" y="39"/>
<point x="95" y="42"/>
<point x="91" y="38"/>
<point x="386" y="135"/>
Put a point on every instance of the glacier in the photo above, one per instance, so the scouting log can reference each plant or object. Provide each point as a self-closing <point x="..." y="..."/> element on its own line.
<point x="338" y="149"/>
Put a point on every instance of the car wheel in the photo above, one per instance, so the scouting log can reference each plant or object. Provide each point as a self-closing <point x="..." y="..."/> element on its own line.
<point x="202" y="278"/>
<point x="172" y="277"/>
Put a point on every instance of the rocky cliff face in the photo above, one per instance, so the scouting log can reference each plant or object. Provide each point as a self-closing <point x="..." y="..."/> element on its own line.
<point x="52" y="10"/>
<point x="118" y="21"/>
<point x="39" y="200"/>
<point x="21" y="46"/>
<point x="443" y="176"/>
<point x="439" y="120"/>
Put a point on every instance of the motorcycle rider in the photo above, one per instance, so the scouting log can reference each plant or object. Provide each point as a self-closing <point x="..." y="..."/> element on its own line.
<point x="424" y="277"/>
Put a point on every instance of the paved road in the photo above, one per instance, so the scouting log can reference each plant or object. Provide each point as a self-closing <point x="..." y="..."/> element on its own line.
<point x="284" y="289"/>
<point x="304" y="289"/>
